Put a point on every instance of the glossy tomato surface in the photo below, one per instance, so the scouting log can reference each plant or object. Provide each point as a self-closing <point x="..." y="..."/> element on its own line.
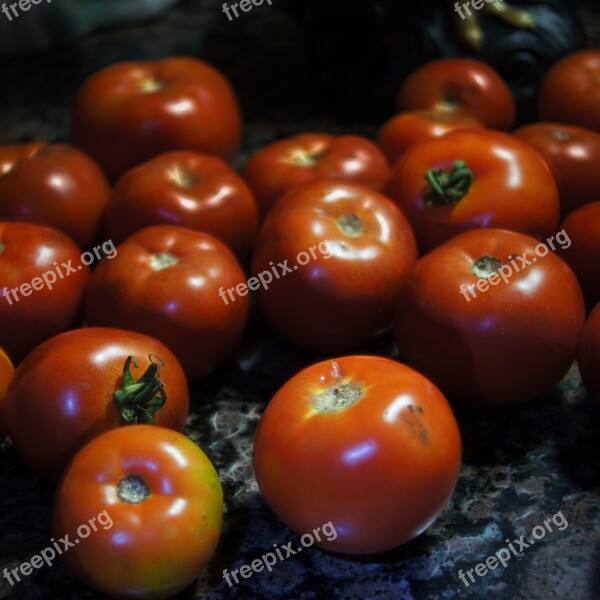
<point x="582" y="227"/>
<point x="570" y="92"/>
<point x="589" y="354"/>
<point x="143" y="507"/>
<point x="62" y="394"/>
<point x="462" y="85"/>
<point x="187" y="189"/>
<point x="130" y="112"/>
<point x="573" y="155"/>
<point x="406" y="129"/>
<point x="282" y="165"/>
<point x="6" y="372"/>
<point x="492" y="316"/>
<point x="335" y="255"/>
<point x="472" y="179"/>
<point x="170" y="283"/>
<point x="362" y="442"/>
<point x="43" y="283"/>
<point x="55" y="185"/>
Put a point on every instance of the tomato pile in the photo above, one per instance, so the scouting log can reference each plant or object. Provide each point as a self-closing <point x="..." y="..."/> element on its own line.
<point x="475" y="245"/>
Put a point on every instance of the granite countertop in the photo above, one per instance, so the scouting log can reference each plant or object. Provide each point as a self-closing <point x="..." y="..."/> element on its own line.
<point x="521" y="465"/>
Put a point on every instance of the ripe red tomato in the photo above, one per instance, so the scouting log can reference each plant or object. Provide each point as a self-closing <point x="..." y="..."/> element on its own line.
<point x="583" y="253"/>
<point x="363" y="444"/>
<point x="570" y="92"/>
<point x="408" y="128"/>
<point x="6" y="373"/>
<point x="55" y="185"/>
<point x="43" y="281"/>
<point x="573" y="155"/>
<point x="471" y="179"/>
<point x="335" y="255"/>
<point x="130" y="112"/>
<point x="491" y="316"/>
<point x="282" y="165"/>
<point x="170" y="282"/>
<point x="142" y="507"/>
<point x="589" y="354"/>
<point x="187" y="189"/>
<point x="80" y="383"/>
<point x="462" y="85"/>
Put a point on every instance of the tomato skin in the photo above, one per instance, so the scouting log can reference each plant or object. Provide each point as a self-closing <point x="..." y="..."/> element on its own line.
<point x="570" y="92"/>
<point x="187" y="189"/>
<point x="6" y="372"/>
<point x="156" y="547"/>
<point x="573" y="155"/>
<point x="589" y="354"/>
<point x="501" y="194"/>
<point x="381" y="470"/>
<point x="55" y="185"/>
<point x="466" y="86"/>
<point x="527" y="328"/>
<point x="131" y="111"/>
<point x="62" y="393"/>
<point x="280" y="166"/>
<point x="406" y="129"/>
<point x="28" y="252"/>
<point x="165" y="282"/>
<point x="583" y="254"/>
<point x="337" y="303"/>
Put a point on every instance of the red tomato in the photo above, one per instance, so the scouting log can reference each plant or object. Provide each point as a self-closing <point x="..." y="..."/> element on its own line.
<point x="492" y="316"/>
<point x="6" y="373"/>
<point x="463" y="85"/>
<point x="132" y="111"/>
<point x="170" y="283"/>
<point x="142" y="507"/>
<point x="573" y="155"/>
<point x="81" y="383"/>
<point x="570" y="92"/>
<point x="55" y="185"/>
<point x="583" y="252"/>
<point x="187" y="189"/>
<point x="42" y="282"/>
<point x="471" y="179"/>
<point x="589" y="354"/>
<point x="332" y="256"/>
<point x="362" y="444"/>
<point x="282" y="165"/>
<point x="408" y="128"/>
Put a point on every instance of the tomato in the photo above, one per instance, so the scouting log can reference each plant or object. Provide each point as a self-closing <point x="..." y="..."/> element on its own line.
<point x="130" y="112"/>
<point x="332" y="256"/>
<point x="583" y="252"/>
<point x="408" y="128"/>
<point x="589" y="354"/>
<point x="6" y="373"/>
<point x="573" y="155"/>
<point x="491" y="316"/>
<point x="42" y="283"/>
<point x="143" y="508"/>
<point x="80" y="383"/>
<point x="284" y="164"/>
<point x="570" y="92"/>
<point x="471" y="179"/>
<point x="170" y="282"/>
<point x="55" y="185"/>
<point x="187" y="189"/>
<point x="462" y="85"/>
<point x="363" y="444"/>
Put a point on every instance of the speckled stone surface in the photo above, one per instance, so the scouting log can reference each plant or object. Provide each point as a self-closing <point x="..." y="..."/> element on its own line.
<point x="521" y="466"/>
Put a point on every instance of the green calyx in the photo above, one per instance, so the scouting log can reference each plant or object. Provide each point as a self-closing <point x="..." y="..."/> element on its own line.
<point x="448" y="186"/>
